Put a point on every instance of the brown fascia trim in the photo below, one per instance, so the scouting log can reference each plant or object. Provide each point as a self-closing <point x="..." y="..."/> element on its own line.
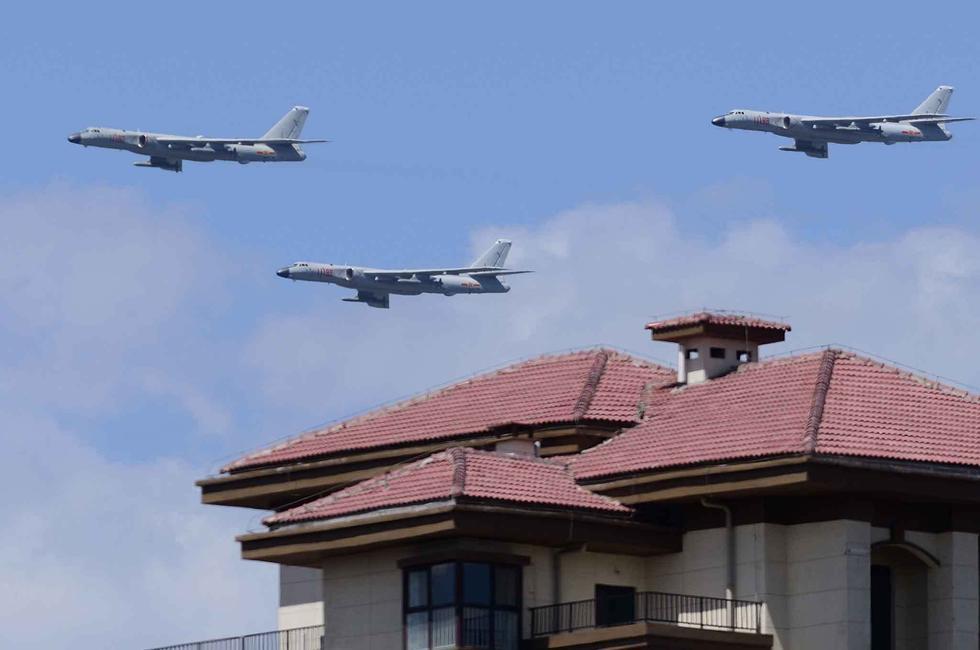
<point x="614" y="483"/>
<point x="917" y="468"/>
<point x="270" y="488"/>
<point x="802" y="474"/>
<point x="461" y="553"/>
<point x="307" y="544"/>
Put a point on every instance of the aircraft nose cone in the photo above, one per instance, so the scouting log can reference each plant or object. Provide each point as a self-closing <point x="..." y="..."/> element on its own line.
<point x="719" y="121"/>
<point x="75" y="138"/>
<point x="283" y="272"/>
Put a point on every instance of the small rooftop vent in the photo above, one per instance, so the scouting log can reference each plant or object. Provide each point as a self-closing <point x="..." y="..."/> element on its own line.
<point x="711" y="344"/>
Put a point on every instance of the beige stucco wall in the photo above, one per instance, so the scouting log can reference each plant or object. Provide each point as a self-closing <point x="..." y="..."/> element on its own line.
<point x="813" y="578"/>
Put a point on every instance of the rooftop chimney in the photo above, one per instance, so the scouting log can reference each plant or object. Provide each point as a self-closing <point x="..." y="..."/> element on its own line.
<point x="714" y="344"/>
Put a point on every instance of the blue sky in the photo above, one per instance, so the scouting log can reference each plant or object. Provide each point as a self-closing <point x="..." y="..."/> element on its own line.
<point x="147" y="338"/>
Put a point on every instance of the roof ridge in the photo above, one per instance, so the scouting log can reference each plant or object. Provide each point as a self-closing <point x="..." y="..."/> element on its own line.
<point x="824" y="376"/>
<point x="591" y="385"/>
<point x="457" y="456"/>
<point x="360" y="487"/>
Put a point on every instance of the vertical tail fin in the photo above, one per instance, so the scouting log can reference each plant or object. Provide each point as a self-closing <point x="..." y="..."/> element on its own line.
<point x="291" y="124"/>
<point x="937" y="102"/>
<point x="495" y="256"/>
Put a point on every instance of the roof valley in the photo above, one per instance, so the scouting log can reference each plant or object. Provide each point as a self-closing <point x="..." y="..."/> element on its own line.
<point x="825" y="374"/>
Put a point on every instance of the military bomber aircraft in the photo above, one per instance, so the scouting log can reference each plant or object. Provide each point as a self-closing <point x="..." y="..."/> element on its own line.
<point x="813" y="134"/>
<point x="280" y="143"/>
<point x="374" y="286"/>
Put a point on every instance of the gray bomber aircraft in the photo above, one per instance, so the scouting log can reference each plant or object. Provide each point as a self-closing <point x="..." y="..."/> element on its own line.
<point x="280" y="143"/>
<point x="374" y="286"/>
<point x="812" y="134"/>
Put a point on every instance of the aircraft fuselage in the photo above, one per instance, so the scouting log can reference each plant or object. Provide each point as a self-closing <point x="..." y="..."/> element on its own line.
<point x="366" y="279"/>
<point x="146" y="144"/>
<point x="789" y="125"/>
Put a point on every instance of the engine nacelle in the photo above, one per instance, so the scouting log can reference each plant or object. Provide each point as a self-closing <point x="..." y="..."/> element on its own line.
<point x="896" y="132"/>
<point x="246" y="153"/>
<point x="450" y="284"/>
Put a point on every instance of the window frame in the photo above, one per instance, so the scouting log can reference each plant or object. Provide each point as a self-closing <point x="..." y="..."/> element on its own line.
<point x="459" y="602"/>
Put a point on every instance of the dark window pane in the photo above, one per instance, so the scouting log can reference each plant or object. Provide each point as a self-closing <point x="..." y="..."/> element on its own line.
<point x="505" y="585"/>
<point x="476" y="627"/>
<point x="444" y="627"/>
<point x="443" y="578"/>
<point x="505" y="635"/>
<point x="881" y="607"/>
<point x="614" y="605"/>
<point x="476" y="583"/>
<point x="418" y="588"/>
<point x="717" y="353"/>
<point x="417" y="631"/>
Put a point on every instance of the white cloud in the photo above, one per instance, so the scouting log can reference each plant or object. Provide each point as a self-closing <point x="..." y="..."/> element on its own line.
<point x="100" y="294"/>
<point x="107" y="554"/>
<point x="602" y="272"/>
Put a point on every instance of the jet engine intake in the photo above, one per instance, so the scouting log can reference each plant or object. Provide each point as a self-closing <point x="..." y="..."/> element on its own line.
<point x="349" y="274"/>
<point x="896" y="131"/>
<point x="789" y="122"/>
<point x="141" y="140"/>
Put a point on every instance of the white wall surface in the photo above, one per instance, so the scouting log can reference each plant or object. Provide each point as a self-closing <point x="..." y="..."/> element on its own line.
<point x="300" y="597"/>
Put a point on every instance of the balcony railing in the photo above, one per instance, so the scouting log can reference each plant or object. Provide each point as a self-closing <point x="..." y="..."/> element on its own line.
<point x="300" y="638"/>
<point x="648" y="607"/>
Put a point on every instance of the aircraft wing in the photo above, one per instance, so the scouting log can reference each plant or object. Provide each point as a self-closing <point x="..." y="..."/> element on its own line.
<point x="188" y="142"/>
<point x="940" y="120"/>
<point x="866" y="119"/>
<point x="486" y="274"/>
<point x="408" y="273"/>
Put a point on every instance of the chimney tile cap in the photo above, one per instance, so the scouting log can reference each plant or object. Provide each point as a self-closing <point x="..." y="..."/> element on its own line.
<point x="723" y="325"/>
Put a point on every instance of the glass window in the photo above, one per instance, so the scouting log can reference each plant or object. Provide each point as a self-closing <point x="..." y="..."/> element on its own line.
<point x="462" y="605"/>
<point x="476" y="583"/>
<point x="476" y="627"/>
<point x="418" y="588"/>
<point x="417" y="631"/>
<point x="717" y="353"/>
<point x="444" y="627"/>
<point x="443" y="584"/>
<point x="505" y="580"/>
<point x="505" y="633"/>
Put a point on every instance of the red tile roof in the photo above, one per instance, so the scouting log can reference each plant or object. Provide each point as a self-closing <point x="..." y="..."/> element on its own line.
<point x="592" y="385"/>
<point x="455" y="473"/>
<point x="710" y="318"/>
<point x="832" y="402"/>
